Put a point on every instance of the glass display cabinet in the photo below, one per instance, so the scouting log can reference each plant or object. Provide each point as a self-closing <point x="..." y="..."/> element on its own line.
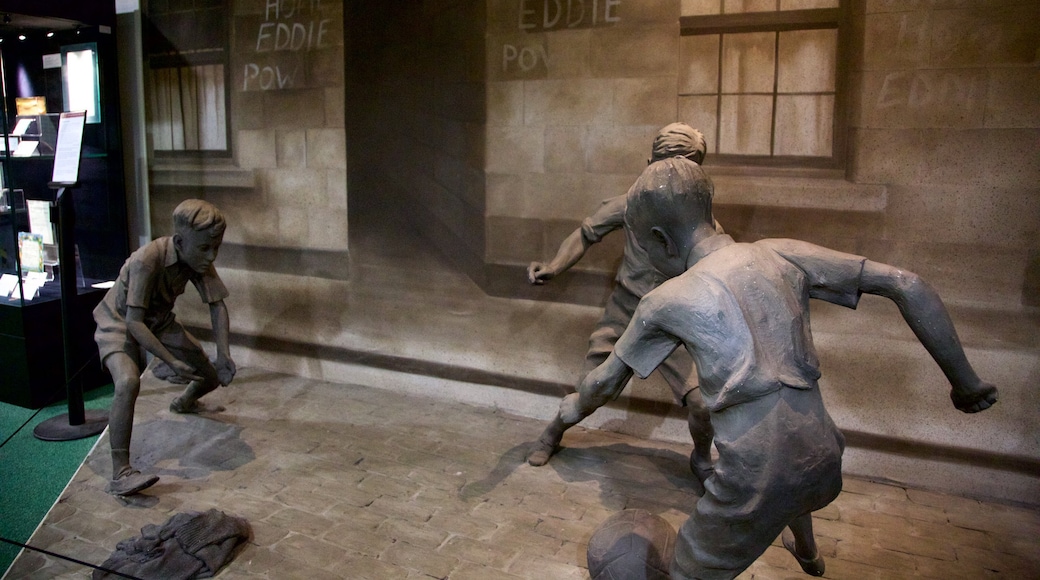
<point x="49" y="65"/>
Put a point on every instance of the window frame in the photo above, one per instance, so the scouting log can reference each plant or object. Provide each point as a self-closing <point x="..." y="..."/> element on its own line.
<point x="186" y="61"/>
<point x="784" y="21"/>
<point x="162" y="54"/>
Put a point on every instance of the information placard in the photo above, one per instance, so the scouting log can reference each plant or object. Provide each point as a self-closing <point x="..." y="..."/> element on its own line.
<point x="40" y="219"/>
<point x="66" y="154"/>
<point x="30" y="251"/>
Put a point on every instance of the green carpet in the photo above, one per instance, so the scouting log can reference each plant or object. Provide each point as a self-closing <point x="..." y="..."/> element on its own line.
<point x="33" y="473"/>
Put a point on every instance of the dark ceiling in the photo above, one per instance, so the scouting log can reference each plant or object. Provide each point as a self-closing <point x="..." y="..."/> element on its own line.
<point x="11" y="23"/>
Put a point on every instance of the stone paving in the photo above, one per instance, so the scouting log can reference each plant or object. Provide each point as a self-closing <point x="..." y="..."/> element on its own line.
<point x="344" y="481"/>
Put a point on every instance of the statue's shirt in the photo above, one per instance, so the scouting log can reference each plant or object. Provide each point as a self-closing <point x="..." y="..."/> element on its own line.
<point x="151" y="278"/>
<point x="635" y="273"/>
<point x="742" y="312"/>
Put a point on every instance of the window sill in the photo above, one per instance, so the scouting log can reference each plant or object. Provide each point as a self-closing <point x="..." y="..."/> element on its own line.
<point x="201" y="175"/>
<point x="812" y="189"/>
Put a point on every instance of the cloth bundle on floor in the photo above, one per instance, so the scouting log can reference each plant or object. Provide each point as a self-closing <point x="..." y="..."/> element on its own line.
<point x="188" y="545"/>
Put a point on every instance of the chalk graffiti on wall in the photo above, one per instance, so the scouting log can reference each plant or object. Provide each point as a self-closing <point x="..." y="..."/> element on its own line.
<point x="523" y="58"/>
<point x="289" y="27"/>
<point x="925" y="90"/>
<point x="548" y="16"/>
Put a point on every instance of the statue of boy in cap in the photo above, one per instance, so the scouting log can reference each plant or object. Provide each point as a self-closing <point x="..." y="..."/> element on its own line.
<point x="136" y="315"/>
<point x="635" y="277"/>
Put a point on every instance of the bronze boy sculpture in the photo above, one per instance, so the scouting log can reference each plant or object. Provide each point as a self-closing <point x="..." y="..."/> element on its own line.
<point x="635" y="277"/>
<point x="741" y="310"/>
<point x="136" y="315"/>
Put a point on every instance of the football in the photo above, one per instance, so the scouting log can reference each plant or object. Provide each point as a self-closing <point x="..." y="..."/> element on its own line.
<point x="631" y="545"/>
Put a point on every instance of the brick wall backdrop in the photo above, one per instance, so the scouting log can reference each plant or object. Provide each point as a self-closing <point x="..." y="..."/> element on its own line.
<point x="572" y="111"/>
<point x="941" y="167"/>
<point x="416" y="93"/>
<point x="285" y="184"/>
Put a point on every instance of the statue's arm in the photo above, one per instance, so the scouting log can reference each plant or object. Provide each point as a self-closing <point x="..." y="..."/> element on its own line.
<point x="925" y="313"/>
<point x="609" y="217"/>
<point x="602" y="385"/>
<point x="218" y="315"/>
<point x="571" y="250"/>
<point x="137" y="328"/>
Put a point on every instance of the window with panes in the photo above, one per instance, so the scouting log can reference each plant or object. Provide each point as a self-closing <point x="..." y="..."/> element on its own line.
<point x="761" y="79"/>
<point x="187" y="52"/>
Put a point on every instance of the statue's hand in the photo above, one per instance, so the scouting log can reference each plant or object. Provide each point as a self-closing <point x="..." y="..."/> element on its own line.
<point x="185" y="370"/>
<point x="225" y="371"/>
<point x="539" y="273"/>
<point x="977" y="398"/>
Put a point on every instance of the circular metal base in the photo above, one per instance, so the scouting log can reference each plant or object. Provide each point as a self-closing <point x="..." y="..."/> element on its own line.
<point x="59" y="429"/>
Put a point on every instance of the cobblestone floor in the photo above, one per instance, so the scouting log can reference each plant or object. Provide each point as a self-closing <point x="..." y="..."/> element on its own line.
<point x="353" y="482"/>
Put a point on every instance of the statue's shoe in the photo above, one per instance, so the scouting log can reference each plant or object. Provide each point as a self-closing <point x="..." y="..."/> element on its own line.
<point x="540" y="453"/>
<point x="812" y="566"/>
<point x="131" y="483"/>
<point x="194" y="408"/>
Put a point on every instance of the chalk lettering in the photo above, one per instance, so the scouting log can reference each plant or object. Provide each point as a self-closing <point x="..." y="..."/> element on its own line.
<point x="546" y="23"/>
<point x="523" y="13"/>
<point x="920" y="92"/>
<point x="283" y="37"/>
<point x="267" y="78"/>
<point x="559" y="14"/>
<point x="925" y="90"/>
<point x="528" y="59"/>
<point x="285" y="81"/>
<point x="290" y="26"/>
<point x="509" y="54"/>
<point x="525" y="58"/>
<point x="289" y="8"/>
<point x="930" y="90"/>
<point x="574" y="17"/>
<point x="907" y="35"/>
<point x="291" y="36"/>
<point x="891" y="93"/>
<point x="263" y="35"/>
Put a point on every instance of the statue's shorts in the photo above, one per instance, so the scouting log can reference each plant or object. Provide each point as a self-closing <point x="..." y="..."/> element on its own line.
<point x="678" y="370"/>
<point x="779" y="458"/>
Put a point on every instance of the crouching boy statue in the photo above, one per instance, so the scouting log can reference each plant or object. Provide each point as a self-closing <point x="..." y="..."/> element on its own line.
<point x="742" y="311"/>
<point x="136" y="315"/>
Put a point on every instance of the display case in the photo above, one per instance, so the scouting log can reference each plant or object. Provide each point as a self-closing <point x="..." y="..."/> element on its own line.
<point x="32" y="135"/>
<point x="39" y="83"/>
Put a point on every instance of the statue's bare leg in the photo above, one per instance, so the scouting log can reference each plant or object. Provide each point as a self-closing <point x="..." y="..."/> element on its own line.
<point x="126" y="376"/>
<point x="678" y="371"/>
<point x="798" y="539"/>
<point x="188" y="401"/>
<point x="548" y="442"/>
<point x="699" y="420"/>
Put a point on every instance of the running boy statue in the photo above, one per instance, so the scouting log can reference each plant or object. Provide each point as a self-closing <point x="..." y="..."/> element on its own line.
<point x="742" y="312"/>
<point x="635" y="277"/>
<point x="136" y="315"/>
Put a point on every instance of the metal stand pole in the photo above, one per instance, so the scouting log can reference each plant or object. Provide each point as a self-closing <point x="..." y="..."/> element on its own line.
<point x="77" y="423"/>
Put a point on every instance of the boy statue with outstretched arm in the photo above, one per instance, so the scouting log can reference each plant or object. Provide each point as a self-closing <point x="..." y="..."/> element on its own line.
<point x="136" y="315"/>
<point x="635" y="277"/>
<point x="742" y="312"/>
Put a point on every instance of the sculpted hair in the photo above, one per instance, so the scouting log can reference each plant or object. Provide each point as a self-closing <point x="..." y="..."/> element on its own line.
<point x="198" y="215"/>
<point x="679" y="140"/>
<point x="672" y="193"/>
